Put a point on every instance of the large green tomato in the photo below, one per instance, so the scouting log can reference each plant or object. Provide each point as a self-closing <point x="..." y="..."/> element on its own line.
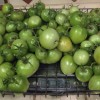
<point x="49" y="38"/>
<point x="41" y="53"/>
<point x="61" y="18"/>
<point x="84" y="73"/>
<point x="25" y="34"/>
<point x="6" y="70"/>
<point x="65" y="44"/>
<point x="11" y="26"/>
<point x="94" y="83"/>
<point x="34" y="21"/>
<point x="96" y="69"/>
<point x="19" y="48"/>
<point x="18" y="84"/>
<point x="27" y="66"/>
<point x="53" y="56"/>
<point x="67" y="64"/>
<point x="92" y="29"/>
<point x="7" y="8"/>
<point x="10" y="37"/>
<point x="78" y="18"/>
<point x="96" y="55"/>
<point x="81" y="57"/>
<point x="78" y="34"/>
<point x="17" y="15"/>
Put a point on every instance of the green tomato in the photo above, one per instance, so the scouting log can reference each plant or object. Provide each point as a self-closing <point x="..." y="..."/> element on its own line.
<point x="60" y="18"/>
<point x="96" y="69"/>
<point x="32" y="11"/>
<point x="65" y="44"/>
<point x="19" y="48"/>
<point x="49" y="38"/>
<point x="78" y="18"/>
<point x="81" y="57"/>
<point x="86" y="44"/>
<point x="7" y="8"/>
<point x="25" y="33"/>
<point x="10" y="37"/>
<point x="34" y="21"/>
<point x="78" y="34"/>
<point x="17" y="15"/>
<point x="6" y="70"/>
<point x="27" y="66"/>
<point x="18" y="84"/>
<point x="48" y="14"/>
<point x="67" y="64"/>
<point x="96" y="55"/>
<point x="83" y="74"/>
<point x="32" y="43"/>
<point x="73" y="9"/>
<point x="3" y="85"/>
<point x="95" y="39"/>
<point x="94" y="83"/>
<point x="11" y="26"/>
<point x="92" y="29"/>
<point x="20" y="25"/>
<point x="53" y="56"/>
<point x="52" y="24"/>
<point x="41" y="53"/>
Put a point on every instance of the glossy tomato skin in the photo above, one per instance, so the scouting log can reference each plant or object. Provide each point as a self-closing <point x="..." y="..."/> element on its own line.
<point x="41" y="53"/>
<point x="78" y="18"/>
<point x="11" y="26"/>
<point x="94" y="83"/>
<point x="65" y="44"/>
<point x="20" y="25"/>
<point x="34" y="21"/>
<point x="73" y="9"/>
<point x="53" y="56"/>
<point x="78" y="34"/>
<point x="17" y="15"/>
<point x="67" y="64"/>
<point x="96" y="55"/>
<point x="27" y="66"/>
<point x="49" y="38"/>
<point x="86" y="44"/>
<point x="48" y="14"/>
<point x="10" y="37"/>
<point x="81" y="57"/>
<point x="96" y="69"/>
<point x="95" y="39"/>
<point x="92" y="29"/>
<point x="7" y="8"/>
<point x="6" y="52"/>
<point x="52" y="24"/>
<point x="32" y="11"/>
<point x="19" y="48"/>
<point x="18" y="84"/>
<point x="6" y="70"/>
<point x="84" y="73"/>
<point x="60" y="18"/>
<point x="25" y="33"/>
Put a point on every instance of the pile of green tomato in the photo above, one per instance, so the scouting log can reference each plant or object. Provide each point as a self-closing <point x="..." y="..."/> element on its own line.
<point x="38" y="35"/>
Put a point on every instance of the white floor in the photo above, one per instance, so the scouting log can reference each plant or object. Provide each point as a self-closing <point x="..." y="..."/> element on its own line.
<point x="41" y="97"/>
